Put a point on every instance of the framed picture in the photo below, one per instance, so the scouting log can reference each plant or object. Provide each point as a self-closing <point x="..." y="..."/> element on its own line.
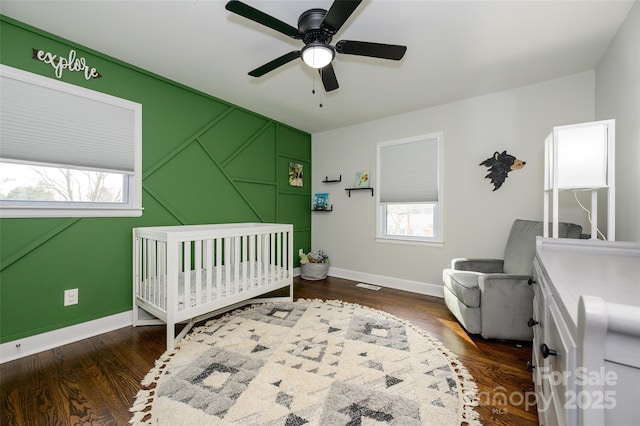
<point x="362" y="180"/>
<point x="295" y="174"/>
<point x="321" y="201"/>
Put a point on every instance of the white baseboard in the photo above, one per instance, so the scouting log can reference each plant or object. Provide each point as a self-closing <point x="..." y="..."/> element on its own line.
<point x="19" y="348"/>
<point x="428" y="289"/>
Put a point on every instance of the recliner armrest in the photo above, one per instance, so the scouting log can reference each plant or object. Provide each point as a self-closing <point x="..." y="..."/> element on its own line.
<point x="486" y="266"/>
<point x="507" y="304"/>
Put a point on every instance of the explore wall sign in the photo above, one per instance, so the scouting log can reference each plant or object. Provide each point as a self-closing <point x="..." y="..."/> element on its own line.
<point x="71" y="62"/>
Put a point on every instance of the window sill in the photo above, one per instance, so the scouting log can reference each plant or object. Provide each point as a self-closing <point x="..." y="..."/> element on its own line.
<point x="36" y="212"/>
<point x="409" y="242"/>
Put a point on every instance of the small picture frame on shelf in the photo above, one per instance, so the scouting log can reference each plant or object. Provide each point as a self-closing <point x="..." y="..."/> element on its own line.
<point x="320" y="201"/>
<point x="362" y="180"/>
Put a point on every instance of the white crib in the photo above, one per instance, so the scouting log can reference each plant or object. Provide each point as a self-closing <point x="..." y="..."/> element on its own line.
<point x="183" y="274"/>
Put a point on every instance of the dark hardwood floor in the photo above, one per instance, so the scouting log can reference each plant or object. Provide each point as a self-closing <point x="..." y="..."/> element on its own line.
<point x="95" y="380"/>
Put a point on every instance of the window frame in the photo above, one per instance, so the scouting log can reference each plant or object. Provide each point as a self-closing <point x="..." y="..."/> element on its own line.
<point x="438" y="223"/>
<point x="132" y="182"/>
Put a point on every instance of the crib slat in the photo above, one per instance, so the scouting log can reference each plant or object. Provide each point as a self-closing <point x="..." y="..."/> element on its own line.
<point x="252" y="261"/>
<point x="186" y="269"/>
<point x="197" y="266"/>
<point x="283" y="269"/>
<point x="209" y="261"/>
<point x="279" y="254"/>
<point x="151" y="265"/>
<point x="272" y="261"/>
<point x="162" y="270"/>
<point x="147" y="274"/>
<point x="259" y="259"/>
<point x="236" y="263"/>
<point x="150" y="270"/>
<point x="265" y="258"/>
<point x="143" y="271"/>
<point x="243" y="263"/>
<point x="219" y="268"/>
<point x="157" y="275"/>
<point x="228" y="246"/>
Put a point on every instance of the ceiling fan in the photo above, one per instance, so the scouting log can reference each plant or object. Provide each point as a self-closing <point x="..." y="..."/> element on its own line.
<point x="316" y="28"/>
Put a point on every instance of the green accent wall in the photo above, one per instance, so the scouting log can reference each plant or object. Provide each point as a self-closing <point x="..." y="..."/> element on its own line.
<point x="204" y="161"/>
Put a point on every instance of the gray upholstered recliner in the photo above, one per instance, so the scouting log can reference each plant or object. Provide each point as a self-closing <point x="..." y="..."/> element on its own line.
<point x="493" y="297"/>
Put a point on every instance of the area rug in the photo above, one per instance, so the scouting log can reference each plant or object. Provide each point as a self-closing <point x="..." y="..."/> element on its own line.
<point x="308" y="362"/>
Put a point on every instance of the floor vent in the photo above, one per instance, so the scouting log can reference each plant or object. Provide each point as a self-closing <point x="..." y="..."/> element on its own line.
<point x="368" y="286"/>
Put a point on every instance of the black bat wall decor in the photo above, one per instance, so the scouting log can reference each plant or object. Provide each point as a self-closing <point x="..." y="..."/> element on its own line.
<point x="499" y="167"/>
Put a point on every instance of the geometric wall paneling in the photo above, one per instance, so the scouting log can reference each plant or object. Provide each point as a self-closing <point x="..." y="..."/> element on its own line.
<point x="230" y="133"/>
<point x="207" y="188"/>
<point x="261" y="198"/>
<point x="294" y="146"/>
<point x="302" y="240"/>
<point x="256" y="159"/>
<point x="195" y="187"/>
<point x="294" y="199"/>
<point x="293" y="143"/>
<point x="18" y="242"/>
<point x="288" y="207"/>
<point x="98" y="279"/>
<point x="63" y="260"/>
<point x="179" y="144"/>
<point x="174" y="118"/>
<point x="156" y="210"/>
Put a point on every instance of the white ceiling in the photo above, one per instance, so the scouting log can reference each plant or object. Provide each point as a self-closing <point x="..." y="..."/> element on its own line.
<point x="455" y="49"/>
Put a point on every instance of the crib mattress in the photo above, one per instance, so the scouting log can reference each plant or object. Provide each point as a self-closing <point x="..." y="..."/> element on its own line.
<point x="148" y="288"/>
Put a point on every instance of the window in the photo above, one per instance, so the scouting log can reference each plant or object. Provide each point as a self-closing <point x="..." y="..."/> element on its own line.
<point x="409" y="182"/>
<point x="66" y="150"/>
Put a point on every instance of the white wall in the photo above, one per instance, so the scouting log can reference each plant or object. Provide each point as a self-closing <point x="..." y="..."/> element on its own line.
<point x="476" y="220"/>
<point x="618" y="96"/>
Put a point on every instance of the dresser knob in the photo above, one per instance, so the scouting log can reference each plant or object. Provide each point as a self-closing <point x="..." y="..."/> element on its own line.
<point x="546" y="351"/>
<point x="530" y="365"/>
<point x="531" y="281"/>
<point x="532" y="322"/>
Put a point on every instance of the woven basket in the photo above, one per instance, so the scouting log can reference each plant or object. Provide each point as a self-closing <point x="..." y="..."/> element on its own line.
<point x="314" y="271"/>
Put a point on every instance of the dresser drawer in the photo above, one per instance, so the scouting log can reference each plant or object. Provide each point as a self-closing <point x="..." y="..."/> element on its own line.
<point x="541" y="294"/>
<point x="539" y="386"/>
<point x="558" y="357"/>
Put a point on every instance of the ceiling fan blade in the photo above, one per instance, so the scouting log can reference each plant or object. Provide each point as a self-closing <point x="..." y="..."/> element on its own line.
<point x="338" y="14"/>
<point x="278" y="62"/>
<point x="329" y="79"/>
<point x="260" y="17"/>
<point x="375" y="50"/>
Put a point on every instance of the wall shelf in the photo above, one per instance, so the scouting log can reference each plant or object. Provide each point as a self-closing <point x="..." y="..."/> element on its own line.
<point x="327" y="180"/>
<point x="323" y="210"/>
<point x="358" y="189"/>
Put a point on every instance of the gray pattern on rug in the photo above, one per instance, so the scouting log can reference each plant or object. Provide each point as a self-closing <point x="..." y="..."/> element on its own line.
<point x="311" y="363"/>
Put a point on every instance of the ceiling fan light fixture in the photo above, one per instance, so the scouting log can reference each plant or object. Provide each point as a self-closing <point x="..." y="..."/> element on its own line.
<point x="317" y="55"/>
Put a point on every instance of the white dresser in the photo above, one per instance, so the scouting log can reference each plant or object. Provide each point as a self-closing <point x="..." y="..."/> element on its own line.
<point x="586" y="323"/>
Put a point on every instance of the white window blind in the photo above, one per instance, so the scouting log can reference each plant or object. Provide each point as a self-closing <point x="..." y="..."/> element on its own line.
<point x="46" y="121"/>
<point x="409" y="171"/>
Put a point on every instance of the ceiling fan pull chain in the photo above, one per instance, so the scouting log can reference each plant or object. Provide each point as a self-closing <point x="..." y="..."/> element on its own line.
<point x="313" y="87"/>
<point x="314" y="79"/>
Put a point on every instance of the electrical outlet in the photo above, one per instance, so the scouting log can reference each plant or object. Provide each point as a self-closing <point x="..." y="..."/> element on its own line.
<point x="71" y="297"/>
